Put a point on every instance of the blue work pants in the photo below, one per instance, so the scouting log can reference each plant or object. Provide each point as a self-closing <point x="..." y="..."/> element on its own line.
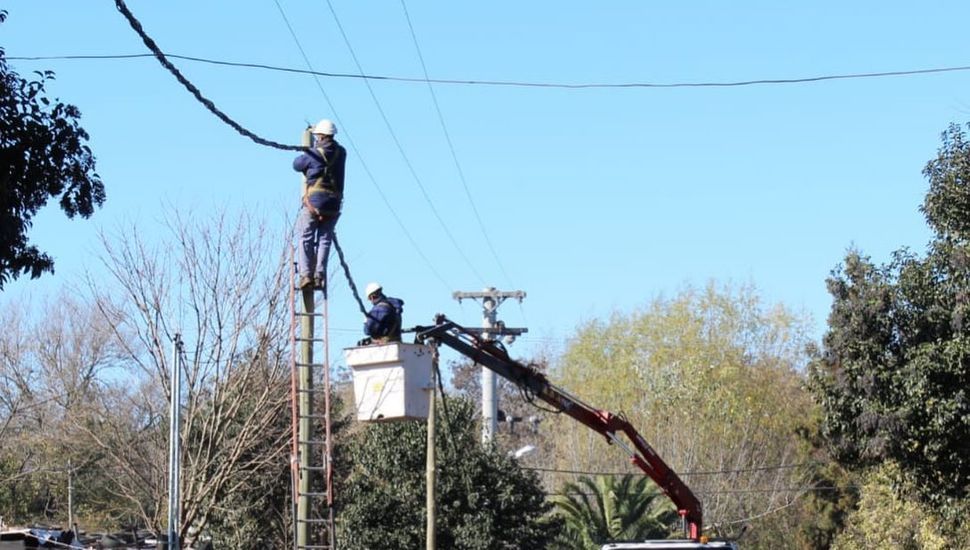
<point x="316" y="234"/>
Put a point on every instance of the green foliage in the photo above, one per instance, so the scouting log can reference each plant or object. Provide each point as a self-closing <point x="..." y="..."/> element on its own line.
<point x="884" y="519"/>
<point x="484" y="500"/>
<point x="895" y="370"/>
<point x="822" y="513"/>
<point x="610" y="508"/>
<point x="42" y="155"/>
<point x="712" y="379"/>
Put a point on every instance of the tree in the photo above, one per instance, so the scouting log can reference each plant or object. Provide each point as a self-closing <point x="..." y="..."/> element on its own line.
<point x="224" y="280"/>
<point x="890" y="518"/>
<point x="485" y="500"/>
<point x="711" y="378"/>
<point x="893" y="374"/>
<point x="42" y="155"/>
<point x="52" y="367"/>
<point x="610" y="508"/>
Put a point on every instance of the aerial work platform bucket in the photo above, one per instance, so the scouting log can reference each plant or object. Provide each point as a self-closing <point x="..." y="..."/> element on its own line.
<point x="391" y="381"/>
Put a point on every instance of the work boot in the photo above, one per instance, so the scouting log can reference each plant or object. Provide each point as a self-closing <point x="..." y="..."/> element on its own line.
<point x="305" y="282"/>
<point x="319" y="283"/>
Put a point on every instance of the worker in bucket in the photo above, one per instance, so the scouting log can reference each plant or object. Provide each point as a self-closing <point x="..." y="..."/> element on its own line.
<point x="322" y="166"/>
<point x="383" y="322"/>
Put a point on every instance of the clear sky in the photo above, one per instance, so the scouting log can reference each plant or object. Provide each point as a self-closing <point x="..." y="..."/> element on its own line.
<point x="595" y="200"/>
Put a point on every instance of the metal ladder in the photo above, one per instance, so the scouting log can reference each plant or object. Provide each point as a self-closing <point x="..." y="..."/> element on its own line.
<point x="312" y="450"/>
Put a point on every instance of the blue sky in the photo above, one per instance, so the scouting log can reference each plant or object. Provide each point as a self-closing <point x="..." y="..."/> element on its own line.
<point x="595" y="200"/>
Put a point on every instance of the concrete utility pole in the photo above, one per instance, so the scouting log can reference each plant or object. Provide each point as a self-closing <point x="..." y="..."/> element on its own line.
<point x="70" y="498"/>
<point x="491" y="329"/>
<point x="174" y="445"/>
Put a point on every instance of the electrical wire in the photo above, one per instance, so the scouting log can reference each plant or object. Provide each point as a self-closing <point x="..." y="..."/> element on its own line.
<point x="520" y="84"/>
<point x="689" y="473"/>
<point x="806" y="489"/>
<point x="451" y="146"/>
<point x="400" y="148"/>
<point x="360" y="158"/>
<point x="157" y="52"/>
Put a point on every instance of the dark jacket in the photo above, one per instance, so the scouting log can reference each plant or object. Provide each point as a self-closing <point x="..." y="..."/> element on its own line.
<point x="323" y="167"/>
<point x="384" y="319"/>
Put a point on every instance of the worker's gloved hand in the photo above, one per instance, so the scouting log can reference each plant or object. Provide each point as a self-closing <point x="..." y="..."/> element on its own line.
<point x="365" y="342"/>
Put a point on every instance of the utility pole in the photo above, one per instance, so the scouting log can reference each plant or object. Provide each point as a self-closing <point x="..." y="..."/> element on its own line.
<point x="491" y="329"/>
<point x="174" y="445"/>
<point x="70" y="498"/>
<point x="305" y="426"/>
<point x="430" y="536"/>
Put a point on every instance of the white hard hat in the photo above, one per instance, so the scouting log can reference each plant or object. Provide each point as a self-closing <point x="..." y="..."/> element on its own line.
<point x="372" y="288"/>
<point x="325" y="127"/>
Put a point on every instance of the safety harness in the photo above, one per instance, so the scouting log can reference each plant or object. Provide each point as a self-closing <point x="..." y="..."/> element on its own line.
<point x="324" y="183"/>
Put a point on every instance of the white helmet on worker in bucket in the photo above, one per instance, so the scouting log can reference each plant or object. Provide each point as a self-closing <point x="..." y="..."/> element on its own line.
<point x="325" y="127"/>
<point x="372" y="288"/>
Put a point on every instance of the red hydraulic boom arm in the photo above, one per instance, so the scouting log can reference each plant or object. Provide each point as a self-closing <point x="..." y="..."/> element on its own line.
<point x="495" y="358"/>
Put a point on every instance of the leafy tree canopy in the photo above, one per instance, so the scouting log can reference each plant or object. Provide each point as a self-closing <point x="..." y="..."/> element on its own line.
<point x="42" y="155"/>
<point x="484" y="500"/>
<point x="894" y="375"/>
<point x="712" y="379"/>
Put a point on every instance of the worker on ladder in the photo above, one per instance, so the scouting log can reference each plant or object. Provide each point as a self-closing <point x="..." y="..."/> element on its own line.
<point x="322" y="166"/>
<point x="383" y="322"/>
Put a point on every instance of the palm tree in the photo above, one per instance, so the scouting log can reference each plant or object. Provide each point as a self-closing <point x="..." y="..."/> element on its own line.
<point x="609" y="508"/>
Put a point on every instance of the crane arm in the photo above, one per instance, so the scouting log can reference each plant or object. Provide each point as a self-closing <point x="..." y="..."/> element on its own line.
<point x="642" y="455"/>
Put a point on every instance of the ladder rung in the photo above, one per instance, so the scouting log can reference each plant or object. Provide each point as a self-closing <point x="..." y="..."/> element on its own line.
<point x="315" y="547"/>
<point x="312" y="442"/>
<point x="311" y="494"/>
<point x="304" y="314"/>
<point x="313" y="416"/>
<point x="312" y="390"/>
<point x="301" y="339"/>
<point x="299" y="364"/>
<point x="313" y="468"/>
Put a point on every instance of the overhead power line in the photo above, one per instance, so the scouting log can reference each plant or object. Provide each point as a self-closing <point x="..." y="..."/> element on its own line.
<point x="805" y="489"/>
<point x="359" y="156"/>
<point x="688" y="473"/>
<point x="517" y="83"/>
<point x="451" y="146"/>
<point x="400" y="148"/>
<point x="158" y="54"/>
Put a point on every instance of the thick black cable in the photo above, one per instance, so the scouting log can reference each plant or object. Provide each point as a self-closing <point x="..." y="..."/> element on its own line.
<point x="350" y="280"/>
<point x="157" y="52"/>
<point x="357" y="153"/>
<point x="512" y="83"/>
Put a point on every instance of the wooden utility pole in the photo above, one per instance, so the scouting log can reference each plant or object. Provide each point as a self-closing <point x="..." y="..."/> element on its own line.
<point x="491" y="329"/>
<point x="430" y="466"/>
<point x="305" y="429"/>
